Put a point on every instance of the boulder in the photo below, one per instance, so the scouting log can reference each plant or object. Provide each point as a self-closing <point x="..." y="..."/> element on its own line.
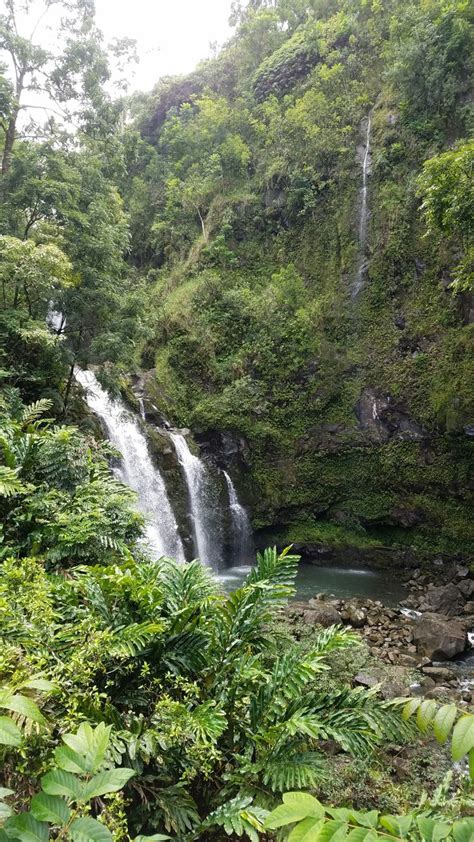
<point x="446" y="600"/>
<point x="440" y="673"/>
<point x="439" y="637"/>
<point x="467" y="588"/>
<point x="354" y="615"/>
<point x="321" y="614"/>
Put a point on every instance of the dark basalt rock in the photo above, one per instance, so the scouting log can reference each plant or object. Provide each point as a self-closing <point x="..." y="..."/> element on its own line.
<point x="446" y="599"/>
<point x="438" y="636"/>
<point x="383" y="419"/>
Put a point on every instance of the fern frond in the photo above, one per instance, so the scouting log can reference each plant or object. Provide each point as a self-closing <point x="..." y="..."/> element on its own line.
<point x="178" y="809"/>
<point x="276" y="568"/>
<point x="238" y="816"/>
<point x="301" y="770"/>
<point x="10" y="484"/>
<point x="34" y="411"/>
<point x="131" y="640"/>
<point x="333" y="638"/>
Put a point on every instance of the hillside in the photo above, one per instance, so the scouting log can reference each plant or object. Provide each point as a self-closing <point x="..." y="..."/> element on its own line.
<point x="326" y="357"/>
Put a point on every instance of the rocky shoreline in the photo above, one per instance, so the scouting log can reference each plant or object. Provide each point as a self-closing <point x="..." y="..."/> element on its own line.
<point x="424" y="646"/>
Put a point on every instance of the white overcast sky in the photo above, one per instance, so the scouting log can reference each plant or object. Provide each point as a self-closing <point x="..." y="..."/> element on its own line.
<point x="172" y="35"/>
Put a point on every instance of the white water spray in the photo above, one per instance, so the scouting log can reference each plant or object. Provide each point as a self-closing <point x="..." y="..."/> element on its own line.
<point x="206" y="538"/>
<point x="136" y="468"/>
<point x="364" y="214"/>
<point x="242" y="550"/>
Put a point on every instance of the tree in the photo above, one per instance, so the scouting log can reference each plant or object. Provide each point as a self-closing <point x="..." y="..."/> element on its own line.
<point x="447" y="189"/>
<point x="31" y="275"/>
<point x="73" y="73"/>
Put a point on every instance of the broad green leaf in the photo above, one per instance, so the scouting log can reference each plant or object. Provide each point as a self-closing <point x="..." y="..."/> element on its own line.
<point x="70" y="761"/>
<point x="363" y="834"/>
<point x="40" y="684"/>
<point x="341" y="813"/>
<point x="425" y="714"/>
<point x="296" y="806"/>
<point x="10" y="734"/>
<point x="91" y="743"/>
<point x="50" y="808"/>
<point x="26" y="828"/>
<point x="59" y="782"/>
<point x="398" y="825"/>
<point x="24" y="706"/>
<point x="411" y="707"/>
<point x="306" y="830"/>
<point x="5" y="811"/>
<point x="471" y="764"/>
<point x="463" y="737"/>
<point x="303" y="800"/>
<point x="432" y="830"/>
<point x="157" y="837"/>
<point x="444" y="721"/>
<point x="332" y="831"/>
<point x="463" y="830"/>
<point x="4" y="792"/>
<point x="110" y="781"/>
<point x="369" y="819"/>
<point x="89" y="830"/>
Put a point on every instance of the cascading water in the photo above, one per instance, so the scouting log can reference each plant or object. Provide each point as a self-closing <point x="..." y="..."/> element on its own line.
<point x="242" y="543"/>
<point x="364" y="214"/>
<point x="136" y="468"/>
<point x="207" y="541"/>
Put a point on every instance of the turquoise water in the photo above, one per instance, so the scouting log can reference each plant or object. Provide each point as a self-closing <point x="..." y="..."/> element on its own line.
<point x="342" y="582"/>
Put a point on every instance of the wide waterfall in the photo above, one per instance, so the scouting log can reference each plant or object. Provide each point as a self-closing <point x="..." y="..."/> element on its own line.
<point x="242" y="549"/>
<point x="206" y="533"/>
<point x="364" y="214"/>
<point x="136" y="468"/>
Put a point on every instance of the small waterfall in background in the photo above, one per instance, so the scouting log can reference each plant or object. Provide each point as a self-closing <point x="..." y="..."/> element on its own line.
<point x="207" y="542"/>
<point x="242" y="549"/>
<point x="55" y="319"/>
<point x="364" y="214"/>
<point x="136" y="468"/>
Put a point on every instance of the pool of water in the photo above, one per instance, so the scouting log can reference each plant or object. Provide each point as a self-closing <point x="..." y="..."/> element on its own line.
<point x="342" y="582"/>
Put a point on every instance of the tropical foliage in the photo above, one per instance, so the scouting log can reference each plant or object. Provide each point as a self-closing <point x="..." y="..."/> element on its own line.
<point x="208" y="234"/>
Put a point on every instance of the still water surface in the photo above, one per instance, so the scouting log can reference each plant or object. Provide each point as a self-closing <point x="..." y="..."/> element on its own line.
<point x="340" y="581"/>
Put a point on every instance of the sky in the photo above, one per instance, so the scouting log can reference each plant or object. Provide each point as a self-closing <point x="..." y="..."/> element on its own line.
<point x="172" y="35"/>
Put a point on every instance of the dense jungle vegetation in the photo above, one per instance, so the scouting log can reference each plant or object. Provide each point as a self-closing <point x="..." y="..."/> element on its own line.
<point x="206" y="236"/>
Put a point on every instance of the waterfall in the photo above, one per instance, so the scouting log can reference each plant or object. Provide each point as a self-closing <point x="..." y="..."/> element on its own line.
<point x="364" y="214"/>
<point x="242" y="549"/>
<point x="136" y="468"/>
<point x="55" y="319"/>
<point x="207" y="544"/>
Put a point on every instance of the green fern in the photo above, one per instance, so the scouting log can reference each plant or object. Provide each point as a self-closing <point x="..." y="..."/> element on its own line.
<point x="34" y="411"/>
<point x="10" y="484"/>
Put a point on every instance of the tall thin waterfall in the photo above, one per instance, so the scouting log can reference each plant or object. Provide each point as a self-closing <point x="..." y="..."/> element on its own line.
<point x="242" y="549"/>
<point x="206" y="539"/>
<point x="136" y="468"/>
<point x="364" y="214"/>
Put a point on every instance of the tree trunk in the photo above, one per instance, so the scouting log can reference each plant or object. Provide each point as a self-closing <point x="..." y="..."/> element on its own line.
<point x="9" y="142"/>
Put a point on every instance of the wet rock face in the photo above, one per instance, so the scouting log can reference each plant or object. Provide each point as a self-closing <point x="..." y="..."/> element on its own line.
<point x="382" y="419"/>
<point x="438" y="636"/>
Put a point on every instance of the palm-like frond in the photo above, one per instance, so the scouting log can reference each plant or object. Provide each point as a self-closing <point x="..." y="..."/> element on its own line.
<point x="10" y="484"/>
<point x="298" y="770"/>
<point x="132" y="640"/>
<point x="185" y="585"/>
<point x="34" y="411"/>
<point x="278" y="568"/>
<point x="238" y="816"/>
<point x="177" y="808"/>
